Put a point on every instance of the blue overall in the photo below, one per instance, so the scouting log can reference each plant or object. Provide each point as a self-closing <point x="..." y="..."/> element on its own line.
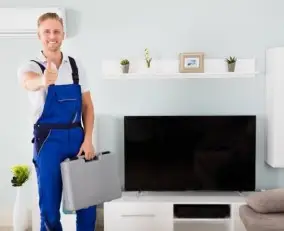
<point x="58" y="134"/>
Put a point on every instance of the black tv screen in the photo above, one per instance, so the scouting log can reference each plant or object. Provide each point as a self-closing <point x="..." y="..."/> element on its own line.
<point x="178" y="153"/>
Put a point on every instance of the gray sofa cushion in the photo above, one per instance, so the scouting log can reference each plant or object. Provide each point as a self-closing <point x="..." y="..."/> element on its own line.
<point x="261" y="222"/>
<point x="270" y="201"/>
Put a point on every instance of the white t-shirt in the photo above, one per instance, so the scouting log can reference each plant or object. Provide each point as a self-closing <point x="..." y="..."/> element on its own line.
<point x="37" y="98"/>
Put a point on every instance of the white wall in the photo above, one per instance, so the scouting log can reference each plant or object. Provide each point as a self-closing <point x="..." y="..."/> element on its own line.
<point x="113" y="29"/>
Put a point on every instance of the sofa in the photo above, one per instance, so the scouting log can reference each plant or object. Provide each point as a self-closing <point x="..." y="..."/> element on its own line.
<point x="264" y="211"/>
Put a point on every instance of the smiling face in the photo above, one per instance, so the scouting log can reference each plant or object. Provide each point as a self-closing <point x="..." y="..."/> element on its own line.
<point x="50" y="32"/>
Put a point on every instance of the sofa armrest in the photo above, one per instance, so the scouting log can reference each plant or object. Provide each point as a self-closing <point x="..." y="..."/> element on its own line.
<point x="270" y="201"/>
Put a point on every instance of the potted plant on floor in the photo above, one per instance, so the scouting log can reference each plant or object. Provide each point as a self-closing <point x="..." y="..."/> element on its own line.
<point x="125" y="65"/>
<point x="231" y="63"/>
<point x="21" y="174"/>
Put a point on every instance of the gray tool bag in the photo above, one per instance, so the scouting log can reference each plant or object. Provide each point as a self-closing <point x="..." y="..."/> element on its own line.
<point x="89" y="182"/>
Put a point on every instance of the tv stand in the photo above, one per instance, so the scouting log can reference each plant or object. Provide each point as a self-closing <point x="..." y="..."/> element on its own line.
<point x="174" y="211"/>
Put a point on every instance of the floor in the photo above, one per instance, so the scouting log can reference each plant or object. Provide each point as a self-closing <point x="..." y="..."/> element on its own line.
<point x="99" y="223"/>
<point x="11" y="229"/>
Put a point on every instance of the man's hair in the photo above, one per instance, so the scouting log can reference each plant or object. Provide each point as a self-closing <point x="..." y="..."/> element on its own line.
<point x="49" y="15"/>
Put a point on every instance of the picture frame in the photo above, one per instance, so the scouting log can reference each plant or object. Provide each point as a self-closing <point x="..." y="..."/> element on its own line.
<point x="191" y="62"/>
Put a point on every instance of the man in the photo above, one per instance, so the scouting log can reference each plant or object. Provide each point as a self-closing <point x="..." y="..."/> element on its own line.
<point x="57" y="88"/>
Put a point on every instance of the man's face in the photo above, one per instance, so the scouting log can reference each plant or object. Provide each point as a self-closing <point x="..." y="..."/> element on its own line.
<point x="51" y="34"/>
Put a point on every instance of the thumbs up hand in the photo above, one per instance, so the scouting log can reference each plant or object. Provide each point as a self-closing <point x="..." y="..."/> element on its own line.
<point x="50" y="74"/>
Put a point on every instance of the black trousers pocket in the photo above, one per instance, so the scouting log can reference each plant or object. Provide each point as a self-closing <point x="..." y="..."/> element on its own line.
<point x="40" y="137"/>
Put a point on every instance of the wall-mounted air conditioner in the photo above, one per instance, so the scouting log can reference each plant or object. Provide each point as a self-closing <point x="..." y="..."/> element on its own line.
<point x="22" y="21"/>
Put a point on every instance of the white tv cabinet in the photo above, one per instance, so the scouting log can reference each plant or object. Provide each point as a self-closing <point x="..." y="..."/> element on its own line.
<point x="155" y="211"/>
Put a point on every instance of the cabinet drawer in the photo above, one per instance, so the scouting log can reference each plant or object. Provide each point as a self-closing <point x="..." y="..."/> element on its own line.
<point x="128" y="216"/>
<point x="139" y="209"/>
<point x="138" y="223"/>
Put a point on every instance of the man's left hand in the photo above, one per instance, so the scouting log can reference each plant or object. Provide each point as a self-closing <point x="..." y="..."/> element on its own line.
<point x="88" y="149"/>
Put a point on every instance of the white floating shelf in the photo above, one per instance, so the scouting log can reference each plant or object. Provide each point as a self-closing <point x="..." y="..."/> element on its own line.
<point x="180" y="75"/>
<point x="168" y="69"/>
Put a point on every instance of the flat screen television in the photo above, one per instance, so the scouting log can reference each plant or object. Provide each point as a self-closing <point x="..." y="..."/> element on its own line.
<point x="187" y="153"/>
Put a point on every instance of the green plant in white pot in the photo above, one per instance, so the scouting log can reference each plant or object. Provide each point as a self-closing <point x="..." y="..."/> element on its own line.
<point x="231" y="62"/>
<point x="21" y="174"/>
<point x="125" y="65"/>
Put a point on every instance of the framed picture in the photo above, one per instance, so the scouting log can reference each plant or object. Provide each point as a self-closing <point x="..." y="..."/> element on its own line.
<point x="191" y="62"/>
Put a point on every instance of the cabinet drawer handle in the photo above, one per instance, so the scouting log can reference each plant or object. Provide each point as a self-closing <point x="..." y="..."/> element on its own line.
<point x="138" y="215"/>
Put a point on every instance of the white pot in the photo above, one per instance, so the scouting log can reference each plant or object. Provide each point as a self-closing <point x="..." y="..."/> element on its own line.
<point x="20" y="213"/>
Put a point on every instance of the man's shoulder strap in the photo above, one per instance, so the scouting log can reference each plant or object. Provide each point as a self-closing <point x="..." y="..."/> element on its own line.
<point x="40" y="65"/>
<point x="75" y="74"/>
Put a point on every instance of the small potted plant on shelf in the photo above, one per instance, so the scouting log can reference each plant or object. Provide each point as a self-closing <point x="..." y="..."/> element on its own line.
<point x="125" y="65"/>
<point x="148" y="59"/>
<point x="21" y="174"/>
<point x="231" y="62"/>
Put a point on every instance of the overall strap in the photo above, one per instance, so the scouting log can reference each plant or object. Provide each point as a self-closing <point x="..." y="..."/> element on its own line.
<point x="40" y="65"/>
<point x="75" y="74"/>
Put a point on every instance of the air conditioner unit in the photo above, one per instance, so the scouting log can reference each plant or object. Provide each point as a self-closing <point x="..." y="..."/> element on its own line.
<point x="22" y="22"/>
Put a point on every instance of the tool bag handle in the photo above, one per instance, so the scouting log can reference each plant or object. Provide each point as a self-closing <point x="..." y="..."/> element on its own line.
<point x="95" y="158"/>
